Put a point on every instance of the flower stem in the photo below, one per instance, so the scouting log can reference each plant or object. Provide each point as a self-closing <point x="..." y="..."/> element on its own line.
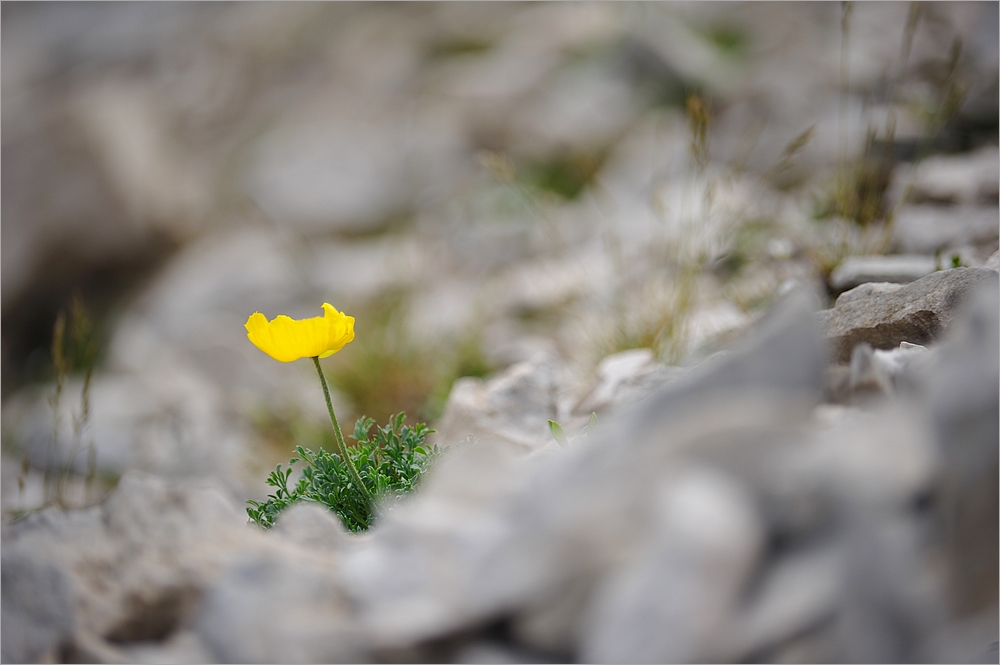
<point x="341" y="446"/>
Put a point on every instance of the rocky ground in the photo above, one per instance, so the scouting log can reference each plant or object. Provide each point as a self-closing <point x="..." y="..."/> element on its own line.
<point x="757" y="506"/>
<point x="797" y="394"/>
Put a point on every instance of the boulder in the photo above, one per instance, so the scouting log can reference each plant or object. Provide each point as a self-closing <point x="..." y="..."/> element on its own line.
<point x="884" y="314"/>
<point x="513" y="407"/>
<point x="964" y="178"/>
<point x="121" y="582"/>
<point x="623" y="379"/>
<point x="925" y="228"/>
<point x="897" y="269"/>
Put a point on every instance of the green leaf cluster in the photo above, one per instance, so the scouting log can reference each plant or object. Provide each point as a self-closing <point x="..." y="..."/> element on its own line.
<point x="389" y="459"/>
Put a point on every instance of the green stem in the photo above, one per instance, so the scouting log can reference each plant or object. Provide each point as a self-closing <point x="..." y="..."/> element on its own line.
<point x="341" y="446"/>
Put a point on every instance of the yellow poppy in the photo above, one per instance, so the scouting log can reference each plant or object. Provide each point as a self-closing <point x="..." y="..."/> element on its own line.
<point x="288" y="339"/>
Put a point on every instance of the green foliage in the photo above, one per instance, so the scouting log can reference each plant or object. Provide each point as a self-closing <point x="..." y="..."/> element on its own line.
<point x="389" y="459"/>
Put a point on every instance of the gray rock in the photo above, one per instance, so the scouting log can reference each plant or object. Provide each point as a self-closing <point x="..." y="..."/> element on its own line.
<point x="513" y="407"/>
<point x="962" y="395"/>
<point x="993" y="262"/>
<point x="184" y="646"/>
<point x="876" y="372"/>
<point x="278" y="609"/>
<point x="796" y="593"/>
<point x="883" y="315"/>
<point x="312" y="525"/>
<point x="623" y="379"/>
<point x="333" y="176"/>
<point x="137" y="563"/>
<point x="37" y="607"/>
<point x="925" y="229"/>
<point x="548" y="529"/>
<point x="897" y="269"/>
<point x="671" y="600"/>
<point x="712" y="521"/>
<point x="967" y="178"/>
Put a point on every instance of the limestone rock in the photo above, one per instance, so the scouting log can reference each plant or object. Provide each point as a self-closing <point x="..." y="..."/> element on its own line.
<point x="993" y="262"/>
<point x="925" y="229"/>
<point x="966" y="178"/>
<point x="312" y="526"/>
<point x="884" y="315"/>
<point x="624" y="378"/>
<point x="670" y="601"/>
<point x="37" y="607"/>
<point x="274" y="608"/>
<point x="108" y="581"/>
<point x="513" y="407"/>
<point x="897" y="269"/>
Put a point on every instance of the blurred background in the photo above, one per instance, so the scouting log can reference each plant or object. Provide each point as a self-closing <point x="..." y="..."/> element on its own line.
<point x="474" y="182"/>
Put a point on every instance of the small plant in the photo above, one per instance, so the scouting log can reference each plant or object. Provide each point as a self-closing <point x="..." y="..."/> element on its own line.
<point x="389" y="461"/>
<point x="74" y="348"/>
<point x="559" y="434"/>
<point x="351" y="480"/>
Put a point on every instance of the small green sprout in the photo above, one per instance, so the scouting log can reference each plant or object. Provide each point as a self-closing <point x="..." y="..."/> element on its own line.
<point x="560" y="434"/>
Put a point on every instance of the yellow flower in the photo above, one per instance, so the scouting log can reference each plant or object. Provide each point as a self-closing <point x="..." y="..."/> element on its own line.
<point x="288" y="339"/>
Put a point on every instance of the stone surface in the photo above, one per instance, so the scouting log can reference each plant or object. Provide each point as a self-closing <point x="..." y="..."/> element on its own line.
<point x="729" y="516"/>
<point x="135" y="569"/>
<point x="623" y="379"/>
<point x="513" y="407"/>
<point x="967" y="178"/>
<point x="669" y="602"/>
<point x="993" y="262"/>
<point x="930" y="228"/>
<point x="897" y="269"/>
<point x="267" y="608"/>
<point x="523" y="175"/>
<point x="883" y="315"/>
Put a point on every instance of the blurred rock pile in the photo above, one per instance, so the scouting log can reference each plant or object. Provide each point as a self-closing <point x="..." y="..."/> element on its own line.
<point x="734" y="514"/>
<point x="797" y="394"/>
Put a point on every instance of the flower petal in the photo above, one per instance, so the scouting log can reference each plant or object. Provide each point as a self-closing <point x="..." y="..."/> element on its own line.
<point x="286" y="339"/>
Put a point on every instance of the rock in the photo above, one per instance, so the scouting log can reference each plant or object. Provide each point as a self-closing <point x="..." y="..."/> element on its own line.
<point x="796" y="593"/>
<point x="963" y="397"/>
<point x="37" y="608"/>
<point x="926" y="229"/>
<point x="313" y="526"/>
<point x="717" y="520"/>
<point x="184" y="646"/>
<point x="671" y="600"/>
<point x="342" y="176"/>
<point x="136" y="564"/>
<point x="585" y="107"/>
<point x="623" y="379"/>
<point x="168" y="420"/>
<point x="881" y="459"/>
<point x="884" y="315"/>
<point x="897" y="269"/>
<point x="554" y="526"/>
<point x="513" y="407"/>
<point x="874" y="372"/>
<point x="967" y="178"/>
<point x="278" y="609"/>
<point x="707" y="325"/>
<point x="993" y="263"/>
